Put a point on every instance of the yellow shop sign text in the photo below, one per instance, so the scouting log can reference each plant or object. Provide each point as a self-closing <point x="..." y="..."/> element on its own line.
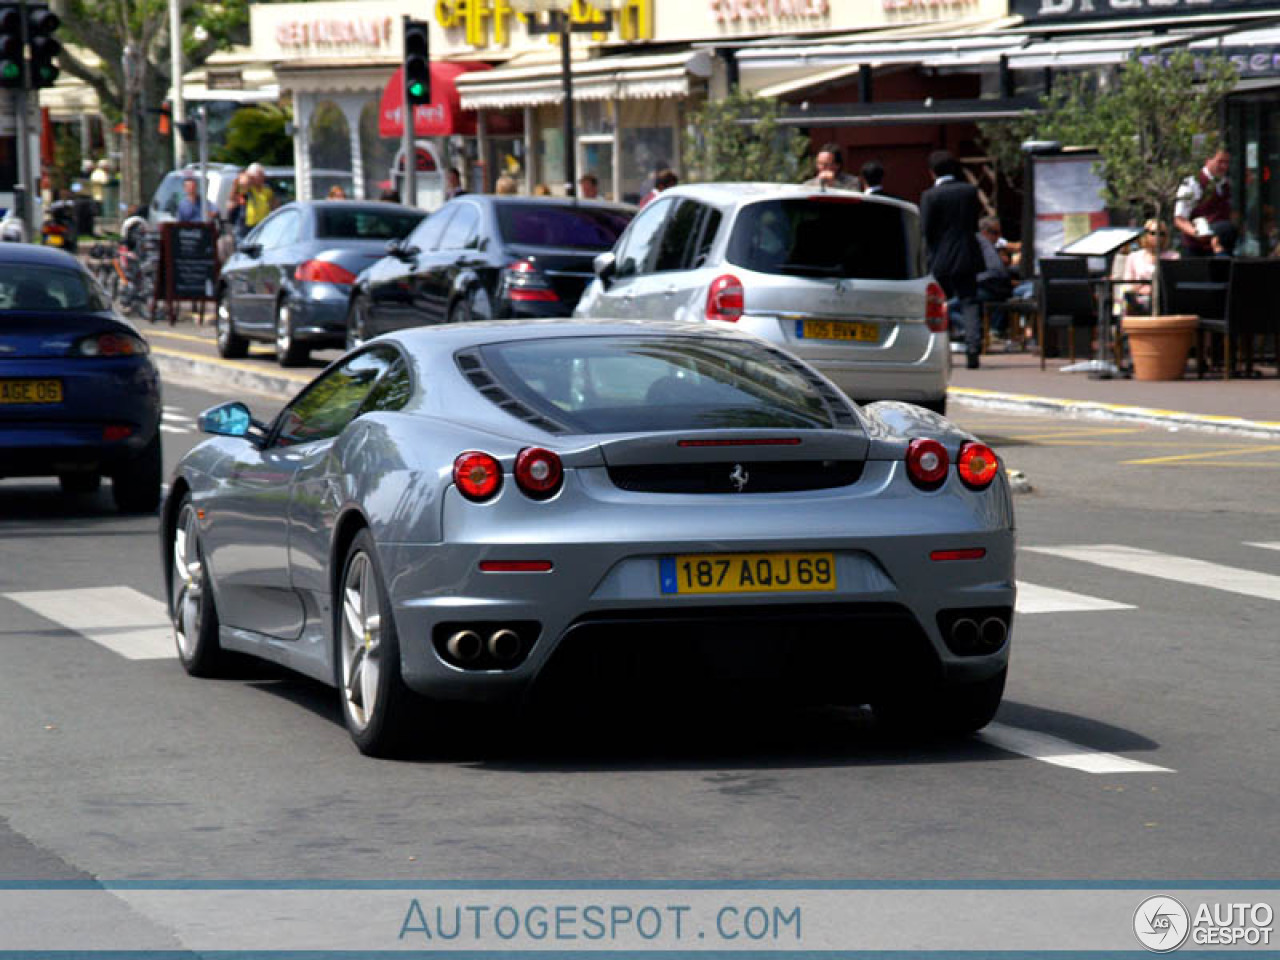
<point x="480" y="18"/>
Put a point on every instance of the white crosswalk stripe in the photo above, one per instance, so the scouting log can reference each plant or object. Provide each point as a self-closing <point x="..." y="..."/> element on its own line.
<point x="174" y="420"/>
<point x="1062" y="753"/>
<point x="121" y="619"/>
<point x="1033" y="598"/>
<point x="1167" y="566"/>
<point x="1274" y="545"/>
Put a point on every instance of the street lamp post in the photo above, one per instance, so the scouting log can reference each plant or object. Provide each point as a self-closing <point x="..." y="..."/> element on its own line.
<point x="560" y="21"/>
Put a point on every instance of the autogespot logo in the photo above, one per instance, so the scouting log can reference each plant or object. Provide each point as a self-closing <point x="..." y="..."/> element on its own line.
<point x="1161" y="924"/>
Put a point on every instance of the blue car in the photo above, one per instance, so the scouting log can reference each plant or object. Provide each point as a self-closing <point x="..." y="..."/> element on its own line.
<point x="79" y="396"/>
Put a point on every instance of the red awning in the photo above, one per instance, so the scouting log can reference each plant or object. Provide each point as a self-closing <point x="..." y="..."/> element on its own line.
<point x="443" y="117"/>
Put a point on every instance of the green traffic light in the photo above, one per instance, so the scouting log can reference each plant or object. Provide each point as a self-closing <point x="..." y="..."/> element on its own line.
<point x="10" y="71"/>
<point x="417" y="89"/>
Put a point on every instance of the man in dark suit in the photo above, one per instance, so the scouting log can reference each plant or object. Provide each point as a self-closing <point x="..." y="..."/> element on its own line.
<point x="949" y="213"/>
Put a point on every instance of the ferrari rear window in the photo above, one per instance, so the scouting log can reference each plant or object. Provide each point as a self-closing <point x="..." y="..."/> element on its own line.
<point x="597" y="385"/>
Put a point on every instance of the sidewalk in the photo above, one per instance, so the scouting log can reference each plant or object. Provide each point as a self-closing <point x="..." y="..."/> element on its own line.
<point x="1005" y="381"/>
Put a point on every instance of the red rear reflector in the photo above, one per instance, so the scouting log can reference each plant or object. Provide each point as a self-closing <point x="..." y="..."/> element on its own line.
<point x="477" y="475"/>
<point x="974" y="553"/>
<point x="725" y="299"/>
<point x="116" y="431"/>
<point x="321" y="271"/>
<point x="531" y="293"/>
<point x="927" y="463"/>
<point x="977" y="465"/>
<point x="935" y="308"/>
<point x="515" y="566"/>
<point x="744" y="442"/>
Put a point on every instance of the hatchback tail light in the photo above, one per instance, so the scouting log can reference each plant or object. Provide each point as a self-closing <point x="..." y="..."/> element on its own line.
<point x="977" y="465"/>
<point x="110" y="345"/>
<point x="725" y="299"/>
<point x="322" y="271"/>
<point x="477" y="475"/>
<point x="927" y="463"/>
<point x="538" y="472"/>
<point x="935" y="308"/>
<point x="524" y="282"/>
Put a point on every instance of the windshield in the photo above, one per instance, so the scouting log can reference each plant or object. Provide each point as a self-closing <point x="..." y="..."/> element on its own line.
<point x="49" y="290"/>
<point x="622" y="384"/>
<point x="365" y="223"/>
<point x="546" y="225"/>
<point x="837" y="236"/>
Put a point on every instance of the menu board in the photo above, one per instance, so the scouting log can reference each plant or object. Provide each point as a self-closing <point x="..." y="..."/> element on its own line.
<point x="190" y="255"/>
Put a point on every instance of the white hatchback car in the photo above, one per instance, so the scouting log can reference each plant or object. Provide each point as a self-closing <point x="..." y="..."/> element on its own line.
<point x="836" y="277"/>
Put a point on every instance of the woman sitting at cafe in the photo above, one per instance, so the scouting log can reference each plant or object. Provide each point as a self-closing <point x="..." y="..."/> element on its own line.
<point x="1140" y="266"/>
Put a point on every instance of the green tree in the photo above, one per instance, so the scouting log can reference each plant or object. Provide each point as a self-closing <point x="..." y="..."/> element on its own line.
<point x="258" y="133"/>
<point x="1153" y="122"/>
<point x="740" y="138"/>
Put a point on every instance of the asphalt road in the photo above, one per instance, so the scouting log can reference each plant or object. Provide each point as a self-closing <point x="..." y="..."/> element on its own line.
<point x="1145" y="648"/>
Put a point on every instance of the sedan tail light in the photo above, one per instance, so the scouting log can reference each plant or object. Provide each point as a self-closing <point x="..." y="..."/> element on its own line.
<point x="538" y="472"/>
<point x="322" y="271"/>
<point x="523" y="281"/>
<point x="977" y="465"/>
<point x="927" y="463"/>
<point x="477" y="475"/>
<point x="725" y="299"/>
<point x="935" y="308"/>
<point x="110" y="345"/>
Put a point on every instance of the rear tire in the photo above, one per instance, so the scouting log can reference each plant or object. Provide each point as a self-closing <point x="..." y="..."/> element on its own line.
<point x="289" y="352"/>
<point x="230" y="344"/>
<point x="461" y="311"/>
<point x="945" y="712"/>
<point x="135" y="487"/>
<point x="76" y="484"/>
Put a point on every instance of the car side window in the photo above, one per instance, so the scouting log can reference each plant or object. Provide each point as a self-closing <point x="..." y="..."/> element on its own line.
<point x="640" y="243"/>
<point x="675" y="252"/>
<point x="462" y="228"/>
<point x="707" y="231"/>
<point x="324" y="409"/>
<point x="281" y="230"/>
<point x="392" y="390"/>
<point x="427" y="236"/>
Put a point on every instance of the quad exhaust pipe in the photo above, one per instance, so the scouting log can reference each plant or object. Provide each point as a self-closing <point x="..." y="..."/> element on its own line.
<point x="969" y="636"/>
<point x="504" y="644"/>
<point x="464" y="645"/>
<point x="993" y="633"/>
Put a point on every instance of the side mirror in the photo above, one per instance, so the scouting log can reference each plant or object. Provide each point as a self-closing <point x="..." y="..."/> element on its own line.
<point x="394" y="246"/>
<point x="226" y="420"/>
<point x="606" y="266"/>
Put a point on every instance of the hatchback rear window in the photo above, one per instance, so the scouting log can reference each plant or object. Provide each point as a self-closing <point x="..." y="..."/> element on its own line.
<point x="597" y="385"/>
<point x="364" y="223"/>
<point x="837" y="236"/>
<point x="48" y="290"/>
<point x="572" y="227"/>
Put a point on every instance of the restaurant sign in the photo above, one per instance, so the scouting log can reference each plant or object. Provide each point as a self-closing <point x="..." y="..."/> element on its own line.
<point x="490" y="23"/>
<point x="1039" y="11"/>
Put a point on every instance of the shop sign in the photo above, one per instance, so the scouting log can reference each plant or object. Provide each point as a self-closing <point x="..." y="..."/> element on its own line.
<point x="329" y="34"/>
<point x="1041" y="10"/>
<point x="488" y="23"/>
<point x="924" y="6"/>
<point x="1262" y="60"/>
<point x="755" y="11"/>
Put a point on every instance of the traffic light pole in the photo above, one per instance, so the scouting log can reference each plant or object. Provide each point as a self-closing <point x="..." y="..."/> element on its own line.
<point x="25" y="177"/>
<point x="410" y="196"/>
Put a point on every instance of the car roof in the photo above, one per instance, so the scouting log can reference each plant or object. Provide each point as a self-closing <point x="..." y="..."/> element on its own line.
<point x="460" y="336"/>
<point x="30" y="254"/>
<point x="508" y="199"/>
<point x="736" y="194"/>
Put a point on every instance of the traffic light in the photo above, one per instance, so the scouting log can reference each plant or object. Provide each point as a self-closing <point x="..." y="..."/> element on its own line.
<point x="417" y="64"/>
<point x="10" y="46"/>
<point x="41" y="25"/>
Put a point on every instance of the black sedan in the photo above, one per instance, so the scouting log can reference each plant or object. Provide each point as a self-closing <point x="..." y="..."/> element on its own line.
<point x="79" y="396"/>
<point x="486" y="258"/>
<point x="289" y="281"/>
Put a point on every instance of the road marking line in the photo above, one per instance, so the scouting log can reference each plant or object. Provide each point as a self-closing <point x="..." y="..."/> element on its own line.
<point x="1062" y="753"/>
<point x="121" y="619"/>
<point x="1033" y="598"/>
<point x="1266" y="546"/>
<point x="166" y="428"/>
<point x="1201" y="456"/>
<point x="1166" y="566"/>
<point x="175" y="415"/>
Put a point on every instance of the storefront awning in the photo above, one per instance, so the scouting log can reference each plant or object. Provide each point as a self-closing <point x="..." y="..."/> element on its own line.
<point x="443" y="117"/>
<point x="610" y="78"/>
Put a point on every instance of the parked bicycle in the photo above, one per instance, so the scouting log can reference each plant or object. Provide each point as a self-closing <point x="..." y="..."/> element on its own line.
<point x="132" y="281"/>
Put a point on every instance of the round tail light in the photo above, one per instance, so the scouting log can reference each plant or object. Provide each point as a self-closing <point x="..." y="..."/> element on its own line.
<point x="477" y="475"/>
<point x="927" y="463"/>
<point x="977" y="465"/>
<point x="538" y="472"/>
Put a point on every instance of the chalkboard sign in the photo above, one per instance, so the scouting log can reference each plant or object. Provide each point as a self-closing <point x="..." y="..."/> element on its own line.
<point x="188" y="264"/>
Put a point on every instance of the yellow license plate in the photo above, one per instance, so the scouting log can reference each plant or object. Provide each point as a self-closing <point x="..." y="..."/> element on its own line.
<point x="747" y="572"/>
<point x="30" y="391"/>
<point x="839" y="330"/>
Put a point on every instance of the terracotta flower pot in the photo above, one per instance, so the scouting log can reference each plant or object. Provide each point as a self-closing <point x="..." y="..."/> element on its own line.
<point x="1159" y="345"/>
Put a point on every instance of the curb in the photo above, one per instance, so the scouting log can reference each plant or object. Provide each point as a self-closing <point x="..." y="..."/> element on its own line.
<point x="1175" y="419"/>
<point x="227" y="374"/>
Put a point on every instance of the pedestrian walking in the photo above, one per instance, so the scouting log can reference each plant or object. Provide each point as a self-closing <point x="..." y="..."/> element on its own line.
<point x="259" y="198"/>
<point x="589" y="186"/>
<point x="665" y="180"/>
<point x="189" y="206"/>
<point x="506" y="186"/>
<point x="872" y="177"/>
<point x="831" y="175"/>
<point x="949" y="213"/>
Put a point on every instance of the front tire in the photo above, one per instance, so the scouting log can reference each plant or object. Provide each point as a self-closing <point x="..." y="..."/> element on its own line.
<point x="289" y="352"/>
<point x="135" y="487"/>
<point x="231" y="345"/>
<point x="376" y="704"/>
<point x="191" y="606"/>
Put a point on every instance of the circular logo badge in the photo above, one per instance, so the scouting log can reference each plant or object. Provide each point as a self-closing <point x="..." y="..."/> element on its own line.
<point x="1161" y="924"/>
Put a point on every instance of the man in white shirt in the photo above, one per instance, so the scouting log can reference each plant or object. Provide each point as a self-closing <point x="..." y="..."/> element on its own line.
<point x="1205" y="196"/>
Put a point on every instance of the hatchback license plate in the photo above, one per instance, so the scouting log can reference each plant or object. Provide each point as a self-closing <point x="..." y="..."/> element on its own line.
<point x="747" y="572"/>
<point x="30" y="391"/>
<point x="837" y="330"/>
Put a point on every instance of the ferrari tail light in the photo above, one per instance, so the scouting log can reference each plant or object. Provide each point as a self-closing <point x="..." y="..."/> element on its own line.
<point x="111" y="345"/>
<point x="524" y="282"/>
<point x="538" y="472"/>
<point x="477" y="475"/>
<point x="977" y="465"/>
<point x="927" y="463"/>
<point x="935" y="308"/>
<point x="322" y="271"/>
<point x="725" y="299"/>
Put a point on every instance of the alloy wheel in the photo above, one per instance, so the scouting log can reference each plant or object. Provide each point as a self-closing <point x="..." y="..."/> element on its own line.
<point x="361" y="640"/>
<point x="284" y="331"/>
<point x="188" y="583"/>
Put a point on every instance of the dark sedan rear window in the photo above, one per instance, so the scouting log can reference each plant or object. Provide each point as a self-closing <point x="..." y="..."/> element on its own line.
<point x="624" y="384"/>
<point x="362" y="223"/>
<point x="546" y="225"/>
<point x="830" y="236"/>
<point x="29" y="287"/>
